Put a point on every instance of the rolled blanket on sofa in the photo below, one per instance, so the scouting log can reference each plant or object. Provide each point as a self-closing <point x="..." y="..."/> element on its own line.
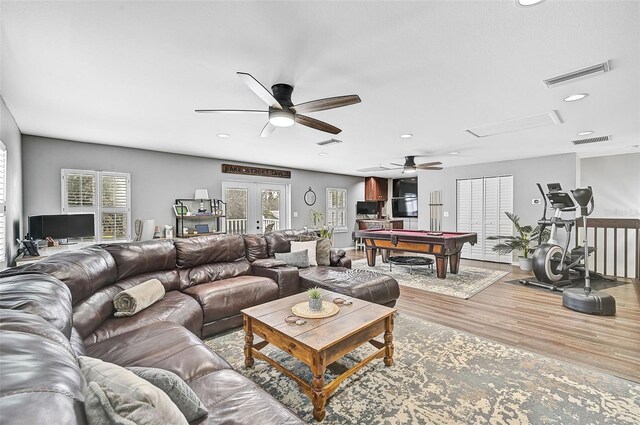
<point x="133" y="300"/>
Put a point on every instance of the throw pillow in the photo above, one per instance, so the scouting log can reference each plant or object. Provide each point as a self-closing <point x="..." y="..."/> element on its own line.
<point x="127" y="384"/>
<point x="323" y="252"/>
<point x="177" y="390"/>
<point x="296" y="259"/>
<point x="137" y="298"/>
<point x="310" y="246"/>
<point x="103" y="406"/>
<point x="307" y="237"/>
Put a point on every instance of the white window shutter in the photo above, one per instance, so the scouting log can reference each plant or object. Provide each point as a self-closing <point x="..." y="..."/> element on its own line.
<point x="3" y="203"/>
<point x="337" y="209"/>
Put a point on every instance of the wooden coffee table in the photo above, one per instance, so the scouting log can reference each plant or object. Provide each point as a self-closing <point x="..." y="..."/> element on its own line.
<point x="319" y="342"/>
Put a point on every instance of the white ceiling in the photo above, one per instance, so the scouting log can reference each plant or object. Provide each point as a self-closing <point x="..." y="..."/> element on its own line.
<point x="131" y="74"/>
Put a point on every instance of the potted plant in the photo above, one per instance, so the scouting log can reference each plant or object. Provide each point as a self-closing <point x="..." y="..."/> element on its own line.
<point x="526" y="236"/>
<point x="315" y="298"/>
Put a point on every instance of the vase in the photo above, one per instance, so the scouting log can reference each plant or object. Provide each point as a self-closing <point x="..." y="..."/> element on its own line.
<point x="315" y="304"/>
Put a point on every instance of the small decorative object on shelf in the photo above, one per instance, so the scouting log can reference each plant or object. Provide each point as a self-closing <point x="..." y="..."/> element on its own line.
<point x="315" y="298"/>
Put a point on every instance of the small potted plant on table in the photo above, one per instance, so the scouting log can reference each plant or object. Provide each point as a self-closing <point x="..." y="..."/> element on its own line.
<point x="526" y="236"/>
<point x="315" y="299"/>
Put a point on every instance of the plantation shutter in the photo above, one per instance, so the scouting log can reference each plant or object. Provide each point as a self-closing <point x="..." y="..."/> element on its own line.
<point x="3" y="205"/>
<point x="463" y="212"/>
<point x="114" y="207"/>
<point x="337" y="209"/>
<point x="505" y="204"/>
<point x="105" y="194"/>
<point x="491" y="218"/>
<point x="477" y="217"/>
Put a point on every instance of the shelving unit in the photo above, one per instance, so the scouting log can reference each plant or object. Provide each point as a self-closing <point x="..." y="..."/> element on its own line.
<point x="214" y="216"/>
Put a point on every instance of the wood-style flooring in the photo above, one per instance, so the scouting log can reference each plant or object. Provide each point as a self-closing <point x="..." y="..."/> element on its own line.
<point x="535" y="320"/>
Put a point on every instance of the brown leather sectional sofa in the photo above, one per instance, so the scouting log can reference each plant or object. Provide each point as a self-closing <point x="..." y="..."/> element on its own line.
<point x="62" y="306"/>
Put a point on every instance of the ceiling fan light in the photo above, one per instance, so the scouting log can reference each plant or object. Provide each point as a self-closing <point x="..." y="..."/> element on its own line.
<point x="281" y="118"/>
<point x="409" y="170"/>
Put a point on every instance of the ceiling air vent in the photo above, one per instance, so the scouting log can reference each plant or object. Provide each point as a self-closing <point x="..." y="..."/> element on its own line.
<point x="524" y="123"/>
<point x="591" y="140"/>
<point x="569" y="77"/>
<point x="329" y="142"/>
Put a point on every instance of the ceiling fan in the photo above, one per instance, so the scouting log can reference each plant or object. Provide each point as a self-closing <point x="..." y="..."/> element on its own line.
<point x="282" y="112"/>
<point x="410" y="165"/>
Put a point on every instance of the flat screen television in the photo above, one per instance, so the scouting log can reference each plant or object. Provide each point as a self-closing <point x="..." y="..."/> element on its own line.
<point x="404" y="207"/>
<point x="62" y="226"/>
<point x="405" y="188"/>
<point x="366" y="207"/>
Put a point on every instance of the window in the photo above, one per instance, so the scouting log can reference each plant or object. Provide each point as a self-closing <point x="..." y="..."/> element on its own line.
<point x="337" y="209"/>
<point x="3" y="206"/>
<point x="106" y="194"/>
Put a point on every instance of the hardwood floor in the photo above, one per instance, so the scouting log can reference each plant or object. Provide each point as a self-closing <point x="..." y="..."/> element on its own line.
<point x="535" y="320"/>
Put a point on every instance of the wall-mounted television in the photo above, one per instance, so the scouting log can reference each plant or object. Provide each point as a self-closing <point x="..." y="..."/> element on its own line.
<point x="366" y="207"/>
<point x="62" y="226"/>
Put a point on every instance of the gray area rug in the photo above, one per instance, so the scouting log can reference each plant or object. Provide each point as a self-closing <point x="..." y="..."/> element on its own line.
<point x="444" y="376"/>
<point x="468" y="282"/>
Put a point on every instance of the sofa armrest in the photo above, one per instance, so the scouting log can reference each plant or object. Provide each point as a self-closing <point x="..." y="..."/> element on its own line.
<point x="286" y="277"/>
<point x="339" y="258"/>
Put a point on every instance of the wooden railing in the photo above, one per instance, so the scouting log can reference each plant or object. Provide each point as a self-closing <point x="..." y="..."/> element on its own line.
<point x="617" y="243"/>
<point x="237" y="225"/>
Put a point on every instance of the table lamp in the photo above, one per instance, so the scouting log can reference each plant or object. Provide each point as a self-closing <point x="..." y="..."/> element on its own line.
<point x="202" y="194"/>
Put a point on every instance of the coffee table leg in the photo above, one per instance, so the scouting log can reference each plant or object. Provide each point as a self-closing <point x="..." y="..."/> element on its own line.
<point x="388" y="341"/>
<point x="319" y="397"/>
<point x="248" y="342"/>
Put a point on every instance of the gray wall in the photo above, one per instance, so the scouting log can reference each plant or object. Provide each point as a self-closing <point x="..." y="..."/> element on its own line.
<point x="10" y="136"/>
<point x="616" y="184"/>
<point x="158" y="178"/>
<point x="526" y="173"/>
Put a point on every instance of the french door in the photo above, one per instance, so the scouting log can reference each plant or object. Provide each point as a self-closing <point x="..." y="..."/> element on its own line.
<point x="255" y="207"/>
<point x="480" y="208"/>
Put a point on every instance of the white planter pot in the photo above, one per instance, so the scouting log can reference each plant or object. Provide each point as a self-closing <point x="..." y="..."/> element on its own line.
<point x="525" y="263"/>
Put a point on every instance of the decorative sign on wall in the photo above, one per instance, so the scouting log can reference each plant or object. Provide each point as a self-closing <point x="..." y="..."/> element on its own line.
<point x="255" y="171"/>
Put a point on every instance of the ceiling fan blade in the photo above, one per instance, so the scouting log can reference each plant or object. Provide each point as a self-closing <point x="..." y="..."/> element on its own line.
<point x="429" y="168"/>
<point x="317" y="124"/>
<point x="267" y="130"/>
<point x="399" y="165"/>
<point x="259" y="90"/>
<point x="428" y="164"/>
<point x="231" y="111"/>
<point x="328" y="103"/>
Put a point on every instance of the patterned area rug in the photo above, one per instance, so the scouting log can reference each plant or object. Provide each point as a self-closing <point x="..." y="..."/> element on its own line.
<point x="468" y="282"/>
<point x="444" y="376"/>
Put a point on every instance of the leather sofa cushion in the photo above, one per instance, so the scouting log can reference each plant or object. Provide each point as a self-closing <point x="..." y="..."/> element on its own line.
<point x="225" y="298"/>
<point x="193" y="252"/>
<point x="84" y="271"/>
<point x="211" y="272"/>
<point x="39" y="374"/>
<point x="40" y="294"/>
<point x="136" y="258"/>
<point x="233" y="399"/>
<point x="175" y="307"/>
<point x="163" y="345"/>
<point x="363" y="284"/>
<point x="280" y="241"/>
<point x="91" y="312"/>
<point x="255" y="247"/>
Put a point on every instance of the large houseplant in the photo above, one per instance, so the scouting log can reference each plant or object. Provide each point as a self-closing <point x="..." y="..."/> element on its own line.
<point x="523" y="241"/>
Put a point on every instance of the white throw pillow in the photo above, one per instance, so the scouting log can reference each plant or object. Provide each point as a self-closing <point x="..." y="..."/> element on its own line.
<point x="310" y="246"/>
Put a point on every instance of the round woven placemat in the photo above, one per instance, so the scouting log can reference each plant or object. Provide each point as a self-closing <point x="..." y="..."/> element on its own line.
<point x="303" y="310"/>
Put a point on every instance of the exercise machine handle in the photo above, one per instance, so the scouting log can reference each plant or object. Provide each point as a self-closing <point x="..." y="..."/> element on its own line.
<point x="543" y="221"/>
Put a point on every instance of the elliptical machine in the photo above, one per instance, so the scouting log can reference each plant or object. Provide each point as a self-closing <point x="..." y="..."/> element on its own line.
<point x="552" y="264"/>
<point x="586" y="300"/>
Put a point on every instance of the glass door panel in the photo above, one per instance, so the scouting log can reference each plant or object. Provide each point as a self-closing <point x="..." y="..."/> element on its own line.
<point x="237" y="200"/>
<point x="254" y="207"/>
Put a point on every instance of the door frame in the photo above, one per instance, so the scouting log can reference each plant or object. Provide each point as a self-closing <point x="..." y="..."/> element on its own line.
<point x="253" y="186"/>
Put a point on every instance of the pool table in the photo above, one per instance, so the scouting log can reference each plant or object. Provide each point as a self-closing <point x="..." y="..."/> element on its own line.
<point x="445" y="246"/>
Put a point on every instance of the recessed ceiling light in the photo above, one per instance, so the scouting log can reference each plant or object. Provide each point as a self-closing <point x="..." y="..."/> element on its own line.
<point x="585" y="133"/>
<point x="575" y="97"/>
<point x="223" y="135"/>
<point x="406" y="136"/>
<point x="633" y="146"/>
<point x="323" y="154"/>
<point x="528" y="3"/>
<point x="454" y="153"/>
